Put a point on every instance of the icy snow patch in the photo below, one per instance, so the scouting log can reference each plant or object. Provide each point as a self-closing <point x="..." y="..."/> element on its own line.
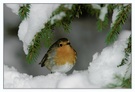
<point x="103" y="12"/>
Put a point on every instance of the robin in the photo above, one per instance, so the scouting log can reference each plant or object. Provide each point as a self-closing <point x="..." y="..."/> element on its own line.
<point x="60" y="57"/>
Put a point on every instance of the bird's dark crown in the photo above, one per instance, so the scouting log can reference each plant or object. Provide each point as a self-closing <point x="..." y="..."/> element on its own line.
<point x="63" y="39"/>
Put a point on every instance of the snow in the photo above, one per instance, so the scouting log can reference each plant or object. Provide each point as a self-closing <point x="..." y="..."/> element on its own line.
<point x="125" y="4"/>
<point x="100" y="73"/>
<point x="96" y="6"/>
<point x="14" y="7"/>
<point x="39" y="15"/>
<point x="57" y="17"/>
<point x="104" y="65"/>
<point x="69" y="6"/>
<point x="20" y="80"/>
<point x="114" y="16"/>
<point x="22" y="32"/>
<point x="103" y="12"/>
<point x="79" y="79"/>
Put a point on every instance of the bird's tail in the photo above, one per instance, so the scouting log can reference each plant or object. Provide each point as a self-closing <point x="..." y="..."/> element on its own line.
<point x="42" y="63"/>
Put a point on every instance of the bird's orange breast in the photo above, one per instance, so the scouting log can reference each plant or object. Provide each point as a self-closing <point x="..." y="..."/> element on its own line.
<point x="65" y="54"/>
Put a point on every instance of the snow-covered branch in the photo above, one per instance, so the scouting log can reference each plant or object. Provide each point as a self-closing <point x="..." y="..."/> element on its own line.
<point x="39" y="14"/>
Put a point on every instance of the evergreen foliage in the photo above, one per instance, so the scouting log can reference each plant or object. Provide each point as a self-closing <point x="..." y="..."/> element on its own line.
<point x="91" y="11"/>
<point x="111" y="7"/>
<point x="114" y="85"/>
<point x="127" y="52"/>
<point x="116" y="27"/>
<point x="24" y="11"/>
<point x="101" y="25"/>
<point x="126" y="83"/>
<point x="34" y="49"/>
<point x="121" y="82"/>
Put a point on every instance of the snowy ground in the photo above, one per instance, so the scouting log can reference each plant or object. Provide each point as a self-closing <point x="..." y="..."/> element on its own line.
<point x="100" y="73"/>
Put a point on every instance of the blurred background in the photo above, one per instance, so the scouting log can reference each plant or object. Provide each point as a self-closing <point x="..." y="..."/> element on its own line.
<point x="84" y="38"/>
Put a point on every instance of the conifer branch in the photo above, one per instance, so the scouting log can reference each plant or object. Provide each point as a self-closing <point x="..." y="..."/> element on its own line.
<point x="127" y="52"/>
<point x="34" y="49"/>
<point x="24" y="11"/>
<point x="96" y="12"/>
<point x="114" y="85"/>
<point x="101" y="25"/>
<point x="111" y="7"/>
<point x="90" y="10"/>
<point x="116" y="27"/>
<point x="122" y="82"/>
<point x="126" y="83"/>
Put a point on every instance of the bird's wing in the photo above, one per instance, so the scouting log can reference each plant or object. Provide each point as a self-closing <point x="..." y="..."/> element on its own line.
<point x="51" y="49"/>
<point x="43" y="60"/>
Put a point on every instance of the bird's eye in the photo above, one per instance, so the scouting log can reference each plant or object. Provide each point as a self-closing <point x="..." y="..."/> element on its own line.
<point x="68" y="43"/>
<point x="60" y="45"/>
